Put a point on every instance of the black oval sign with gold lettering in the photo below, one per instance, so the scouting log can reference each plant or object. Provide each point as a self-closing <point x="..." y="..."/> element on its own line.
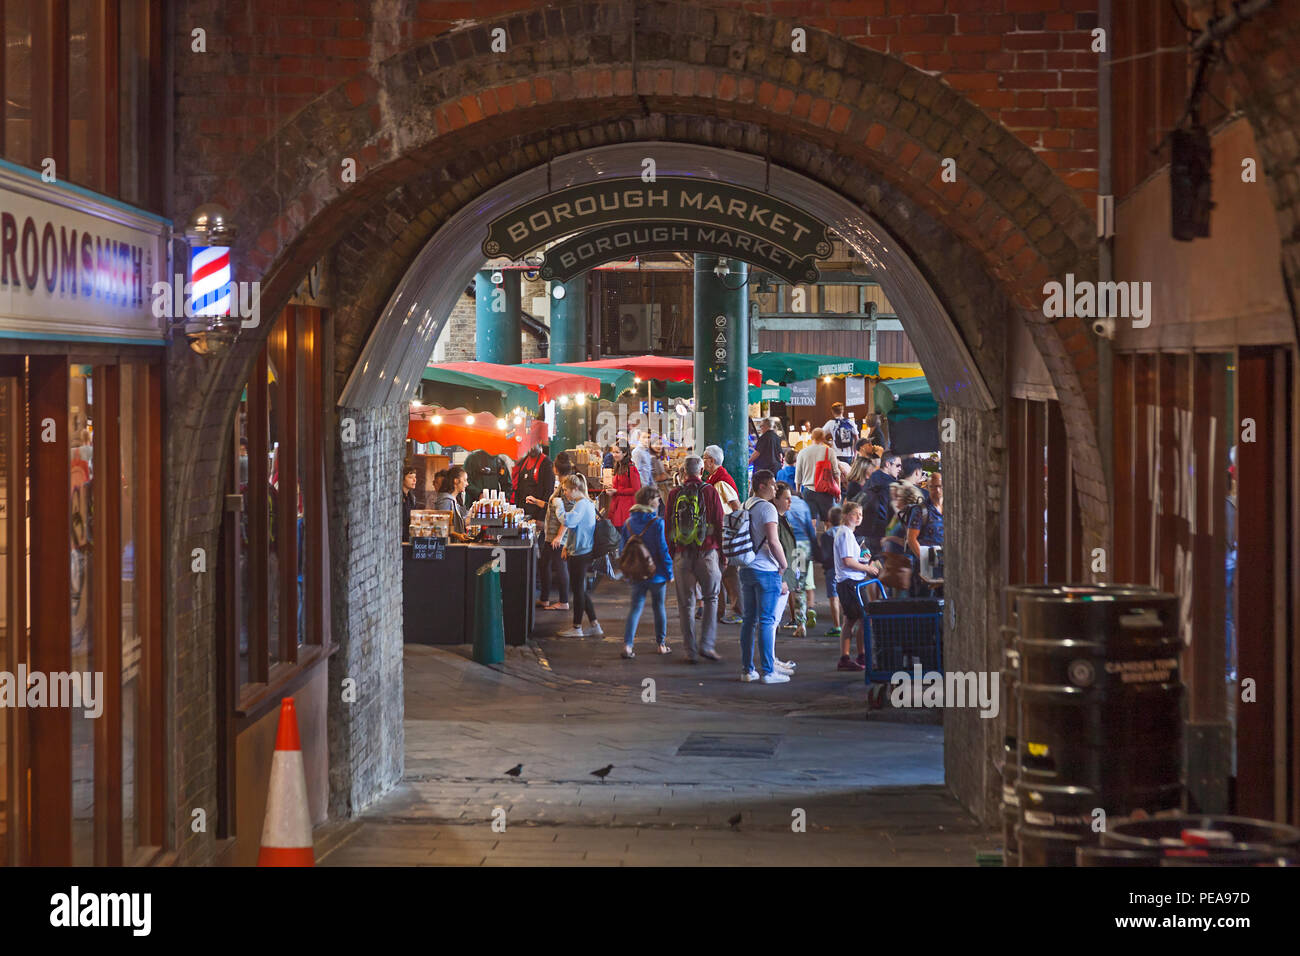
<point x="776" y="226"/>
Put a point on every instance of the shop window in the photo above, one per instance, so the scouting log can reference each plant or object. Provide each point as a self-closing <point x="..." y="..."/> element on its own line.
<point x="17" y="103"/>
<point x="274" y="611"/>
<point x="80" y="455"/>
<point x="80" y="84"/>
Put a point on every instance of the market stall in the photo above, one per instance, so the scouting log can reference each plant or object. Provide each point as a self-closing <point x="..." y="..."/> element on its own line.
<point x="912" y="412"/>
<point x="438" y="599"/>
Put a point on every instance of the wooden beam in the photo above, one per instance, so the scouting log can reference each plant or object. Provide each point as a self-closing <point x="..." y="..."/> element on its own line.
<point x="106" y="650"/>
<point x="51" y="584"/>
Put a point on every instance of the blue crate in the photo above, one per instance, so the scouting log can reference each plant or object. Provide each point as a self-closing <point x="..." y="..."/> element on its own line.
<point x="897" y="631"/>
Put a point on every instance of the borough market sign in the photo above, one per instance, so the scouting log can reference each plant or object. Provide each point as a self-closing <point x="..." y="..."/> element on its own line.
<point x="628" y="216"/>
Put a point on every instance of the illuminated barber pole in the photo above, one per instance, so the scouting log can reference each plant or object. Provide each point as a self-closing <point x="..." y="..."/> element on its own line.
<point x="210" y="281"/>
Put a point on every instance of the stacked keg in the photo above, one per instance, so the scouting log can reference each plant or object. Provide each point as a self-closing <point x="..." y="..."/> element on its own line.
<point x="1099" y="729"/>
<point x="1007" y="767"/>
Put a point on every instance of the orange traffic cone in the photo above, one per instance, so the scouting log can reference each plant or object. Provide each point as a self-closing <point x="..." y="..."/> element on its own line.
<point x="286" y="833"/>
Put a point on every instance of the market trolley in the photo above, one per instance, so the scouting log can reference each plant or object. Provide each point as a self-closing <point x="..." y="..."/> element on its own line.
<point x="899" y="632"/>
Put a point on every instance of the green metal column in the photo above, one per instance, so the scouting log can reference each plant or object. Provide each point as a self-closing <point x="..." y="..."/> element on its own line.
<point x="498" y="324"/>
<point x="722" y="363"/>
<point x="569" y="344"/>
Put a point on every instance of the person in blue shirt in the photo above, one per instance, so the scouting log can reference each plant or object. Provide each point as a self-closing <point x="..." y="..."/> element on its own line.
<point x="580" y="528"/>
<point x="646" y="522"/>
<point x="786" y="472"/>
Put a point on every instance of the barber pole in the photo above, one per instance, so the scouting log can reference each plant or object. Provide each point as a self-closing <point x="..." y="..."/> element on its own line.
<point x="286" y="832"/>
<point x="210" y="281"/>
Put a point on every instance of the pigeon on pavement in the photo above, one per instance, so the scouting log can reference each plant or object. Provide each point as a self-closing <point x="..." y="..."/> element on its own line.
<point x="515" y="771"/>
<point x="603" y="772"/>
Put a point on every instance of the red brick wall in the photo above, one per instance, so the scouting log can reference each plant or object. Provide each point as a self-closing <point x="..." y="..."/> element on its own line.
<point x="1027" y="63"/>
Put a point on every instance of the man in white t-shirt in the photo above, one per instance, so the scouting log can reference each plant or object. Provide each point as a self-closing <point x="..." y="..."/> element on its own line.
<point x="761" y="585"/>
<point x="852" y="566"/>
<point x="842" y="434"/>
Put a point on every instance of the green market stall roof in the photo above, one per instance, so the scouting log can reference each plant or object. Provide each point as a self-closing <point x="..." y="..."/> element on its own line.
<point x="451" y="389"/>
<point x="906" y="398"/>
<point x="786" y="367"/>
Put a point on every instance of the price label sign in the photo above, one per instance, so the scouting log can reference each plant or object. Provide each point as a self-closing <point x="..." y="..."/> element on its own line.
<point x="428" y="549"/>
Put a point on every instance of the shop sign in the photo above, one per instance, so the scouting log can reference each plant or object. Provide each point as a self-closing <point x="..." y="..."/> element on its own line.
<point x="428" y="549"/>
<point x="770" y="227"/>
<point x="75" y="266"/>
<point x="803" y="393"/>
<point x="593" y="248"/>
<point x="855" y="392"/>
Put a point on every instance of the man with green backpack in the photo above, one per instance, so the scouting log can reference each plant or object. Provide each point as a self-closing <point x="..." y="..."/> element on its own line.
<point x="695" y="542"/>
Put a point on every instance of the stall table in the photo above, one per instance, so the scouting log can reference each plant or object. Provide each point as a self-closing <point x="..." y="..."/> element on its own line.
<point x="438" y="593"/>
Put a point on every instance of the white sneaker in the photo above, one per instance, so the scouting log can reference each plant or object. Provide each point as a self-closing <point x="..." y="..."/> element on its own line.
<point x="628" y="653"/>
<point x="665" y="649"/>
<point x="571" y="632"/>
<point x="776" y="677"/>
<point x="751" y="676"/>
<point x="594" y="630"/>
<point x="786" y="667"/>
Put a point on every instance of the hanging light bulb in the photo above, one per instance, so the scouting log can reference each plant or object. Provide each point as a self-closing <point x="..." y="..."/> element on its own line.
<point x="580" y="399"/>
<point x="826" y="379"/>
<point x="501" y="424"/>
<point x="437" y="419"/>
<point x="564" y="399"/>
<point x="469" y="419"/>
<point x="637" y="379"/>
<point x="519" y="419"/>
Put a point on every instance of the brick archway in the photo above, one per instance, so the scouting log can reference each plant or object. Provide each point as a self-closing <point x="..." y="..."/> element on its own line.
<point x="435" y="126"/>
<point x="861" y="122"/>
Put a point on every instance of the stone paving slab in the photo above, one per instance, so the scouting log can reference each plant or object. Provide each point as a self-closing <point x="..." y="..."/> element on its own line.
<point x="871" y="791"/>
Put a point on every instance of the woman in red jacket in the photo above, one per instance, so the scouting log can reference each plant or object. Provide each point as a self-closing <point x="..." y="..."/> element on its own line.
<point x="626" y="483"/>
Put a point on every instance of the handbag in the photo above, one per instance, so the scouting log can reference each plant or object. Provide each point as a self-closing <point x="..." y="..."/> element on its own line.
<point x="897" y="573"/>
<point x="825" y="477"/>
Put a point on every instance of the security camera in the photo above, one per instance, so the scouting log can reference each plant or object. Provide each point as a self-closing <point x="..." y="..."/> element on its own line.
<point x="1104" y="327"/>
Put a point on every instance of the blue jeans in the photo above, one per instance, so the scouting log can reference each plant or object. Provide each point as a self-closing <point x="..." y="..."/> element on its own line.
<point x="759" y="593"/>
<point x="657" y="591"/>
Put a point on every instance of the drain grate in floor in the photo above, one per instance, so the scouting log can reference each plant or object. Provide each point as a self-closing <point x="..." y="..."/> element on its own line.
<point x="756" y="746"/>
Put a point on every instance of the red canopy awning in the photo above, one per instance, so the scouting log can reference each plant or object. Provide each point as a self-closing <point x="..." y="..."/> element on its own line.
<point x="658" y="366"/>
<point x="547" y="384"/>
<point x="513" y="443"/>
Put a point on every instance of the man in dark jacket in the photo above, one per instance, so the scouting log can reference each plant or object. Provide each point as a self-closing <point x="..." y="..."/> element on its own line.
<point x="536" y="481"/>
<point x="875" y="501"/>
<point x="486" y="472"/>
<point x="694" y="523"/>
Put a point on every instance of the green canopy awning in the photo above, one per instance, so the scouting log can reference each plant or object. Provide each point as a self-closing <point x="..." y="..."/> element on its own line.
<point x="786" y="367"/>
<point x="768" y="393"/>
<point x="475" y="392"/>
<point x="613" y="381"/>
<point x="906" y="398"/>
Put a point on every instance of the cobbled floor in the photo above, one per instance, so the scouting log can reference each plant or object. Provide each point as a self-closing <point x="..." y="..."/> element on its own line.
<point x="812" y="780"/>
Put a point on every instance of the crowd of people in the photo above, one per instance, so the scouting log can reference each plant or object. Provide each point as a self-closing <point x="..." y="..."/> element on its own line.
<point x="872" y="521"/>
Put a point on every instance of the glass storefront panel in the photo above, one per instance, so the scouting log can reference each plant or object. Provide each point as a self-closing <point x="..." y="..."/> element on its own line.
<point x="18" y="145"/>
<point x="81" y="397"/>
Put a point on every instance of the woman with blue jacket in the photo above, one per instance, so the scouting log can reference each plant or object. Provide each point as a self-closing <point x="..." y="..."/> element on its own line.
<point x="646" y="522"/>
<point x="579" y="525"/>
